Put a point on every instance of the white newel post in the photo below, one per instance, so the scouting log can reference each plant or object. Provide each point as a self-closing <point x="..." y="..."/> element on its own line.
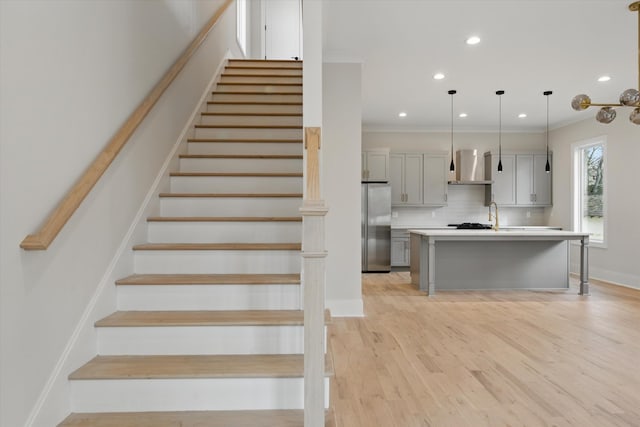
<point x="313" y="216"/>
<point x="313" y="284"/>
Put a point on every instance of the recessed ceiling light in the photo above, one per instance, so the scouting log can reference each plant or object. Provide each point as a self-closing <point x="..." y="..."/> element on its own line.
<point x="604" y="78"/>
<point x="438" y="76"/>
<point x="473" y="40"/>
<point x="522" y="115"/>
<point x="402" y="114"/>
<point x="463" y="115"/>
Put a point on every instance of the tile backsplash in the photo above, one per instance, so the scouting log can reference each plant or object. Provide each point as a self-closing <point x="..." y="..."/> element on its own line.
<point x="465" y="204"/>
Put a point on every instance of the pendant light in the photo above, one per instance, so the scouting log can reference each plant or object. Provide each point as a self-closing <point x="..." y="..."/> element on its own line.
<point x="499" y="93"/>
<point x="451" y="165"/>
<point x="547" y="167"/>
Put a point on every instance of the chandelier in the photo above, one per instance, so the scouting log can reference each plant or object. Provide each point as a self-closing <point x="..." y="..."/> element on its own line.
<point x="628" y="98"/>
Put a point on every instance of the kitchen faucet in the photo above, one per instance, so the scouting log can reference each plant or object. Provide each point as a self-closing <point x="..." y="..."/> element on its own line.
<point x="497" y="226"/>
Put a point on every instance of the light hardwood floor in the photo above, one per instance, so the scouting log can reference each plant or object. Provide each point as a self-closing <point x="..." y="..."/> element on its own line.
<point x="494" y="359"/>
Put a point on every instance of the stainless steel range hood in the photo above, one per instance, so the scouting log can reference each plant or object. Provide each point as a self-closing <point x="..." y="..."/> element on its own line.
<point x="466" y="165"/>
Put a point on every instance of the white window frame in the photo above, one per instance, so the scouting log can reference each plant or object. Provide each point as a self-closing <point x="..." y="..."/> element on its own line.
<point x="577" y="183"/>
<point x="241" y="25"/>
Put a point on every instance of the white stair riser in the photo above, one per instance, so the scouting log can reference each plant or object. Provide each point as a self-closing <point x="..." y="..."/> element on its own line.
<point x="258" y="88"/>
<point x="235" y="184"/>
<point x="254" y="108"/>
<point x="238" y="133"/>
<point x="240" y="165"/>
<point x="245" y="148"/>
<point x="221" y="232"/>
<point x="188" y="394"/>
<point x="261" y="64"/>
<point x="256" y="120"/>
<point x="245" y="97"/>
<point x="230" y="206"/>
<point x="209" y="297"/>
<point x="178" y="340"/>
<point x="222" y="262"/>
<point x="264" y="71"/>
<point x="234" y="78"/>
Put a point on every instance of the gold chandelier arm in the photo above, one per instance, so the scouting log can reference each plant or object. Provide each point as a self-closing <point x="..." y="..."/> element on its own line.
<point x="591" y="104"/>
<point x="635" y="7"/>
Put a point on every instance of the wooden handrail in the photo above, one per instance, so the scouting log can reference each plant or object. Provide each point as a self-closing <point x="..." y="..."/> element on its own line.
<point x="72" y="200"/>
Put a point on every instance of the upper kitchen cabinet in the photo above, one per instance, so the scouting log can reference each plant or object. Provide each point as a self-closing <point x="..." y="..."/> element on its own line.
<point x="503" y="188"/>
<point x="533" y="182"/>
<point x="406" y="179"/>
<point x="435" y="180"/>
<point x="375" y="165"/>
<point x="523" y="181"/>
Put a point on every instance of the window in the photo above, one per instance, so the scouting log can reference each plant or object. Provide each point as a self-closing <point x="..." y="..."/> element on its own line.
<point x="589" y="189"/>
<point x="241" y="25"/>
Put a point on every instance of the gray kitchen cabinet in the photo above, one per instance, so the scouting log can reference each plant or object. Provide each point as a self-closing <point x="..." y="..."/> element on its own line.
<point x="523" y="181"/>
<point x="406" y="178"/>
<point x="533" y="183"/>
<point x="435" y="180"/>
<point x="399" y="248"/>
<point x="375" y="165"/>
<point x="503" y="189"/>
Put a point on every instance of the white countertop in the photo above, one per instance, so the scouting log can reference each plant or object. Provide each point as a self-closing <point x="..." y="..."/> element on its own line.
<point x="420" y="227"/>
<point x="503" y="234"/>
<point x="452" y="227"/>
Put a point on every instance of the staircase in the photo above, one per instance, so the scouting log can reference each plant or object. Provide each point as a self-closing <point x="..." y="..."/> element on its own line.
<point x="209" y="330"/>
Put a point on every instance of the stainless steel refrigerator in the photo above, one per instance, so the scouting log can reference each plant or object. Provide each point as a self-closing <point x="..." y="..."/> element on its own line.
<point x="376" y="227"/>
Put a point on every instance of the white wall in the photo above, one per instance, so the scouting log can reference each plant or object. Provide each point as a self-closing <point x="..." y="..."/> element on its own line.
<point x="70" y="74"/>
<point x="465" y="203"/>
<point x="619" y="261"/>
<point x="341" y="147"/>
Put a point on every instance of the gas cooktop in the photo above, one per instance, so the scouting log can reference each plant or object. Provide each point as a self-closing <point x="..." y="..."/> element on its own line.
<point x="471" y="226"/>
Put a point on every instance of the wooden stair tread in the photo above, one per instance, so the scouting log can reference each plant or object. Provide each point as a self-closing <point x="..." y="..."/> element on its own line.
<point x="251" y="418"/>
<point x="236" y="74"/>
<point x="206" y="318"/>
<point x="244" y="114"/>
<point x="246" y="140"/>
<point x="241" y="156"/>
<point x="224" y="219"/>
<point x="238" y="66"/>
<point x="239" y="174"/>
<point x="195" y="366"/>
<point x="259" y="83"/>
<point x="270" y="64"/>
<point x="210" y="279"/>
<point x="248" y="126"/>
<point x="233" y="195"/>
<point x="218" y="247"/>
<point x="230" y="92"/>
<point x="254" y="103"/>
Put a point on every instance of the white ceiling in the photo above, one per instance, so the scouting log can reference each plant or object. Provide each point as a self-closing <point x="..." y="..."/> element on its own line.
<point x="527" y="47"/>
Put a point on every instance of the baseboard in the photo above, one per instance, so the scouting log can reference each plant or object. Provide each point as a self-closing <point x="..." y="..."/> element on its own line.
<point x="82" y="344"/>
<point x="345" y="307"/>
<point x="611" y="277"/>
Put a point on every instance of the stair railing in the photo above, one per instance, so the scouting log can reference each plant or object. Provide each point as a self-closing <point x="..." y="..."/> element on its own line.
<point x="53" y="224"/>
<point x="313" y="281"/>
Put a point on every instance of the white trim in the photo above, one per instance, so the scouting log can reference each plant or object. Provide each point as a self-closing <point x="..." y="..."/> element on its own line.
<point x="391" y="129"/>
<point x="242" y="39"/>
<point x="89" y="315"/>
<point x="345" y="307"/>
<point x="314" y="254"/>
<point x="610" y="277"/>
<point x="576" y="168"/>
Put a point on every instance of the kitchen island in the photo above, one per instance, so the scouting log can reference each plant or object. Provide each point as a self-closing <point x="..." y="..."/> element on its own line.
<point x="490" y="260"/>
